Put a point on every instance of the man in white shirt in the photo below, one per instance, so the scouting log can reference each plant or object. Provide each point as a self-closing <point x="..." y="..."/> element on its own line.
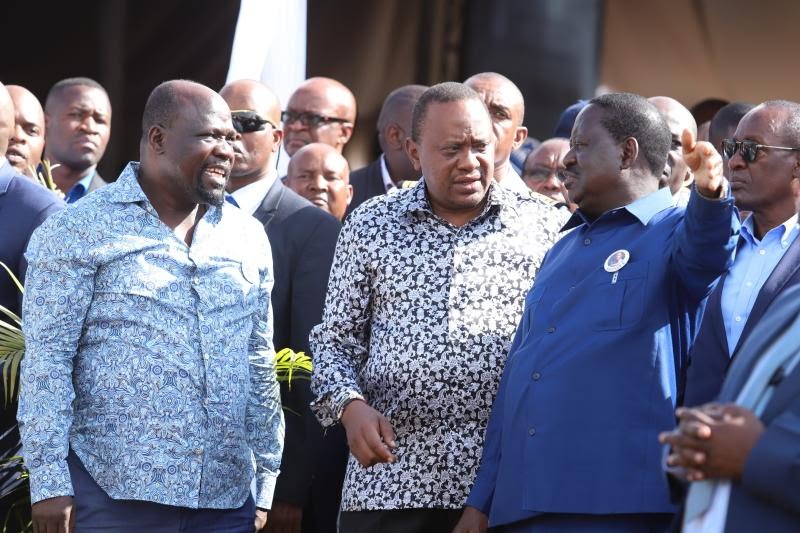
<point x="303" y="239"/>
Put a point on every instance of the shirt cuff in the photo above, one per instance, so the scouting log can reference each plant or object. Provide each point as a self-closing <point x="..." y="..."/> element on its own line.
<point x="265" y="489"/>
<point x="50" y="482"/>
<point x="328" y="408"/>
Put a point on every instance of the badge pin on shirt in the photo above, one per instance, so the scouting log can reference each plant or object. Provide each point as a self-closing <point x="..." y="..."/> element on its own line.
<point x="615" y="262"/>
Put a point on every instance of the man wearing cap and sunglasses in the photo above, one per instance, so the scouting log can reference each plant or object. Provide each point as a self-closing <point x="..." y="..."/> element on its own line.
<point x="302" y="238"/>
<point x="763" y="159"/>
<point x="321" y="110"/>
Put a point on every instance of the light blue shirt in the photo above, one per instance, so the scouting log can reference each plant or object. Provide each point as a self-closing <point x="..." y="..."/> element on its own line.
<point x="152" y="360"/>
<point x="754" y="262"/>
<point x="78" y="191"/>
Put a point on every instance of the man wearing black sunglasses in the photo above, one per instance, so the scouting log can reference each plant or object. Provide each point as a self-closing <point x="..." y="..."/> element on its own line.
<point x="302" y="238"/>
<point x="745" y="448"/>
<point x="764" y="163"/>
<point x="321" y="110"/>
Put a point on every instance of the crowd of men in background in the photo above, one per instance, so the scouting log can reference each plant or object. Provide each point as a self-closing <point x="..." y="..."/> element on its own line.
<point x="501" y="329"/>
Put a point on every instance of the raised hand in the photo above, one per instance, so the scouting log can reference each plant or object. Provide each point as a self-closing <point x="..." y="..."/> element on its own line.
<point x="706" y="165"/>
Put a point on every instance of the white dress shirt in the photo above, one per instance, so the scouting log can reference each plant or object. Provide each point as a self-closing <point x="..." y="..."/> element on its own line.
<point x="249" y="197"/>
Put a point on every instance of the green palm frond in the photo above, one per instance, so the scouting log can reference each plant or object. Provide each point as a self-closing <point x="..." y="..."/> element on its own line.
<point x="12" y="345"/>
<point x="291" y="365"/>
<point x="45" y="177"/>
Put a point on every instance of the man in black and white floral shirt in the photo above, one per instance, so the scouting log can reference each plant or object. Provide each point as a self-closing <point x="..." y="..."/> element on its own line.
<point x="425" y="294"/>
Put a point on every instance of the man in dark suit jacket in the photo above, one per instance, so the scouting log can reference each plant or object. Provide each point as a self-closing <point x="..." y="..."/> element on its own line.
<point x="78" y="125"/>
<point x="23" y="206"/>
<point x="741" y="453"/>
<point x="303" y="239"/>
<point x="393" y="166"/>
<point x="767" y="260"/>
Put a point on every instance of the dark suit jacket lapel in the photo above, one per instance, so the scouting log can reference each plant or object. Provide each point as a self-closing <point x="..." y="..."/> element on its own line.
<point x="714" y="309"/>
<point x="375" y="182"/>
<point x="269" y="205"/>
<point x="786" y="268"/>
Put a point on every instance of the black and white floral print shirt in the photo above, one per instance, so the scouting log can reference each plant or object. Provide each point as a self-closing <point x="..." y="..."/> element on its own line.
<point x="418" y="320"/>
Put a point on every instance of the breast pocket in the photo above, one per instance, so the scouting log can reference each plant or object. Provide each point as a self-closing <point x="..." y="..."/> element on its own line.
<point x="618" y="303"/>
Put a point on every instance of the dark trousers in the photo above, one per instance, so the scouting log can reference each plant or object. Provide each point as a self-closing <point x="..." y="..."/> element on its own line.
<point x="578" y="523"/>
<point x="399" y="521"/>
<point x="97" y="512"/>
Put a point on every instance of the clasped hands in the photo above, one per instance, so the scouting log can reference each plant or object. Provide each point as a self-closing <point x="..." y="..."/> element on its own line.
<point x="712" y="441"/>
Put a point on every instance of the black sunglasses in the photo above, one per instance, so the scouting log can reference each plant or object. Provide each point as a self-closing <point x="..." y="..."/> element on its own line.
<point x="748" y="149"/>
<point x="246" y="121"/>
<point x="311" y="120"/>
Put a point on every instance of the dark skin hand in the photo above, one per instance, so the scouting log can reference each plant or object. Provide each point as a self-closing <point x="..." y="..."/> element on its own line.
<point x="713" y="441"/>
<point x="285" y="518"/>
<point x="53" y="515"/>
<point x="369" y="435"/>
<point x="472" y="521"/>
<point x="260" y="521"/>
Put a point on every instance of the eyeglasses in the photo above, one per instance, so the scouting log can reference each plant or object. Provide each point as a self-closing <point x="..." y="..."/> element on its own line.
<point x="311" y="120"/>
<point x="246" y="121"/>
<point x="541" y="174"/>
<point x="748" y="149"/>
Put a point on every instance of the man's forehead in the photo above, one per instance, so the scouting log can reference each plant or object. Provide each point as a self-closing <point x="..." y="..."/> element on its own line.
<point x="589" y="117"/>
<point x="762" y="121"/>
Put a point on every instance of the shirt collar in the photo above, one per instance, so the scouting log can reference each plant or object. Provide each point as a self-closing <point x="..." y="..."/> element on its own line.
<point x="644" y="208"/>
<point x="126" y="190"/>
<point x="388" y="184"/>
<point x="416" y="199"/>
<point x="748" y="232"/>
<point x="252" y="195"/>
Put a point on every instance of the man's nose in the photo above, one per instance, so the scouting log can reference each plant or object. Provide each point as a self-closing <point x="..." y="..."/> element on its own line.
<point x="18" y="135"/>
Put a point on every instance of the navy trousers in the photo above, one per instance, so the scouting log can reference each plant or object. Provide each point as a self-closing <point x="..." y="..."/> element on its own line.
<point x="576" y="523"/>
<point x="96" y="512"/>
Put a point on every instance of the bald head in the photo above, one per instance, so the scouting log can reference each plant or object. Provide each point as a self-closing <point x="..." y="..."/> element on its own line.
<point x="676" y="174"/>
<point x="507" y="109"/>
<point x="320" y="110"/>
<point x="253" y="95"/>
<point x="255" y="151"/>
<point x="394" y="127"/>
<point x="171" y="98"/>
<point x="26" y="143"/>
<point x="320" y="174"/>
<point x="6" y="118"/>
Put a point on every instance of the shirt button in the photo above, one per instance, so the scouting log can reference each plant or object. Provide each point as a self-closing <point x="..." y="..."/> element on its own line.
<point x="205" y="401"/>
<point x="762" y="251"/>
<point x="195" y="280"/>
<point x="738" y="319"/>
<point x="198" y="451"/>
<point x="749" y="284"/>
<point x="536" y="376"/>
<point x="531" y="431"/>
<point x="551" y="329"/>
<point x="587" y="241"/>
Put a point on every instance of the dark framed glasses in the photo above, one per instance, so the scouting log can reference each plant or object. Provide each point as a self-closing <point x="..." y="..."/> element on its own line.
<point x="246" y="121"/>
<point x="749" y="149"/>
<point x="311" y="120"/>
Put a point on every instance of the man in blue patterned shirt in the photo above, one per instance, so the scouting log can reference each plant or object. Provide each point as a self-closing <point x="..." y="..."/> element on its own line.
<point x="148" y="382"/>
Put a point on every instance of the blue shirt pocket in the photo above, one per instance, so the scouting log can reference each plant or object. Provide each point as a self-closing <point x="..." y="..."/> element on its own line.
<point x="617" y="302"/>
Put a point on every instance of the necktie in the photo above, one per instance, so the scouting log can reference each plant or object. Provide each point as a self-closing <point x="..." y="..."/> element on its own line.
<point x="231" y="200"/>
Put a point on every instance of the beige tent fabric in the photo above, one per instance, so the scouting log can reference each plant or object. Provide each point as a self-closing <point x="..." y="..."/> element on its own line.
<point x="695" y="49"/>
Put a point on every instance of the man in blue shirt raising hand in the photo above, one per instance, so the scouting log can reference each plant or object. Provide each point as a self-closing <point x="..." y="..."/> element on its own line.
<point x="598" y="359"/>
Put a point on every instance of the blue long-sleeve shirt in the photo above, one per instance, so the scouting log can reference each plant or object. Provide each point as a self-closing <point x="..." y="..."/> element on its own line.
<point x="592" y="375"/>
<point x="151" y="359"/>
